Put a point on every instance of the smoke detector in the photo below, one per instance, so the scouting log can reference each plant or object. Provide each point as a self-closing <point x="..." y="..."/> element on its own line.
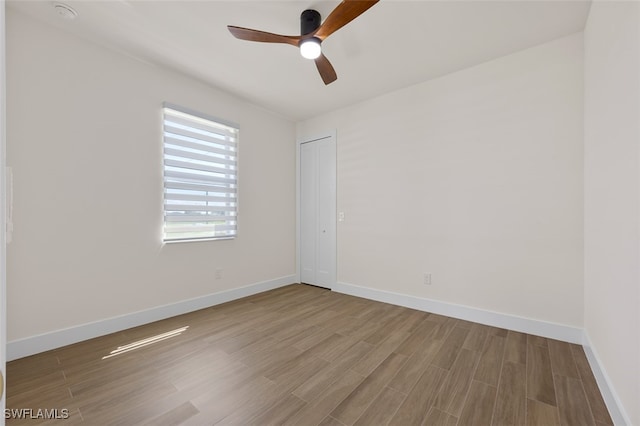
<point x="65" y="11"/>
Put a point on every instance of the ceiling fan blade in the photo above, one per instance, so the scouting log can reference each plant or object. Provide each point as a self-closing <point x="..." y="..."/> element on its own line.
<point x="325" y="69"/>
<point x="344" y="13"/>
<point x="261" y="36"/>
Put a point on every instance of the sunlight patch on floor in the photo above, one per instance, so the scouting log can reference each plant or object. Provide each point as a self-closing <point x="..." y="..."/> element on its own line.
<point x="146" y="342"/>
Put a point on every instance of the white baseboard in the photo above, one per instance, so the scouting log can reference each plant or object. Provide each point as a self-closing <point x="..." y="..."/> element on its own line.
<point x="495" y="319"/>
<point x="55" y="339"/>
<point x="611" y="399"/>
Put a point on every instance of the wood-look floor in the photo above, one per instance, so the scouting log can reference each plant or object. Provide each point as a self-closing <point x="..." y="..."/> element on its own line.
<point x="301" y="355"/>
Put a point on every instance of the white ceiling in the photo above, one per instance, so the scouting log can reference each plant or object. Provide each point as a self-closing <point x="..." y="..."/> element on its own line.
<point x="393" y="45"/>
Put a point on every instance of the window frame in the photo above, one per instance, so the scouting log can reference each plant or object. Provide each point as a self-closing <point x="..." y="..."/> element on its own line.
<point x="227" y="187"/>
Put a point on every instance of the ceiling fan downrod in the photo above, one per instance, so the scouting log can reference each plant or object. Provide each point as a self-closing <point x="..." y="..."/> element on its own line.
<point x="309" y="21"/>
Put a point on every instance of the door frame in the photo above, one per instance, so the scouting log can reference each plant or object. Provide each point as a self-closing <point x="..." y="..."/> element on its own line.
<point x="302" y="140"/>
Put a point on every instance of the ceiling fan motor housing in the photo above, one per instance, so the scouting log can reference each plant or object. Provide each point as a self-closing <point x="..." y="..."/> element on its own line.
<point x="309" y="21"/>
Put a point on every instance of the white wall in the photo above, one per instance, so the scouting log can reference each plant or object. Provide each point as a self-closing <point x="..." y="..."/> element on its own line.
<point x="475" y="177"/>
<point x="84" y="141"/>
<point x="3" y="253"/>
<point x="612" y="196"/>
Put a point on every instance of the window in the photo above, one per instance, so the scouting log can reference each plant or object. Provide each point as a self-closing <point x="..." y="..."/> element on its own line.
<point x="200" y="177"/>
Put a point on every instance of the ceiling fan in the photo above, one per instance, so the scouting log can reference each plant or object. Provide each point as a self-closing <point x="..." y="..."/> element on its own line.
<point x="313" y="33"/>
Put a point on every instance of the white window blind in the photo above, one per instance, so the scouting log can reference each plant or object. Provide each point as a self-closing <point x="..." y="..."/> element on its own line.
<point x="200" y="177"/>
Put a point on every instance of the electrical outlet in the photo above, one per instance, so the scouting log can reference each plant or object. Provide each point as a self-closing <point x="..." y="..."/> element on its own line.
<point x="218" y="274"/>
<point x="427" y="278"/>
<point x="341" y="217"/>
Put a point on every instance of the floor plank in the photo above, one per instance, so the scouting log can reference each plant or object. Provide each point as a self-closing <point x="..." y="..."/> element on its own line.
<point x="421" y="359"/>
<point x="275" y="415"/>
<point x="478" y="409"/>
<point x="516" y="347"/>
<point x="477" y="337"/>
<point x="540" y="385"/>
<point x="359" y="399"/>
<point x="562" y="362"/>
<point x="449" y="351"/>
<point x="316" y="384"/>
<point x="453" y="394"/>
<point x="382" y="409"/>
<point x="439" y="418"/>
<point x="572" y="402"/>
<point x="536" y="340"/>
<point x="419" y="401"/>
<point x="541" y="414"/>
<point x="175" y="416"/>
<point x="316" y="411"/>
<point x="596" y="402"/>
<point x="510" y="406"/>
<point x="488" y="370"/>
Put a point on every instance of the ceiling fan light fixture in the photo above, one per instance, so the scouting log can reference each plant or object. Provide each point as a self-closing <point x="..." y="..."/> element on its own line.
<point x="310" y="48"/>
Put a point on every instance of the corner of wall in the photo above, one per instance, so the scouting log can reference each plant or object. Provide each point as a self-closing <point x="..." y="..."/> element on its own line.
<point x="611" y="399"/>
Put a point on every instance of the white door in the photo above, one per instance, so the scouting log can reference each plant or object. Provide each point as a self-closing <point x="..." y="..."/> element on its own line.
<point x="318" y="212"/>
